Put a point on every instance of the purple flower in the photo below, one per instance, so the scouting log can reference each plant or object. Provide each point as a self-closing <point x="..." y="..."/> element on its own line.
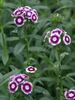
<point x="20" y="78"/>
<point x="66" y="39"/>
<point x="70" y="94"/>
<point x="18" y="12"/>
<point x="19" y="21"/>
<point x="27" y="8"/>
<point x="54" y="40"/>
<point x="27" y="87"/>
<point x="31" y="69"/>
<point x="57" y="31"/>
<point x="34" y="17"/>
<point x="12" y="86"/>
<point x="29" y="14"/>
<point x="21" y="14"/>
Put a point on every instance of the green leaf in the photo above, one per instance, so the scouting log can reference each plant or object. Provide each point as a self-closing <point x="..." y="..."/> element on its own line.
<point x="66" y="67"/>
<point x="71" y="74"/>
<point x="41" y="7"/>
<point x="47" y="79"/>
<point x="1" y="75"/>
<point x="9" y="5"/>
<point x="42" y="90"/>
<point x="40" y="25"/>
<point x="37" y="49"/>
<point x="28" y="97"/>
<point x="5" y="56"/>
<point x="10" y="39"/>
<point x="1" y="39"/>
<point x="2" y="97"/>
<point x="62" y="55"/>
<point x="46" y="98"/>
<point x="18" y="48"/>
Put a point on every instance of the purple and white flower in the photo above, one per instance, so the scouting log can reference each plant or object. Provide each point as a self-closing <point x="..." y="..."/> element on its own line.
<point x="21" y="14"/>
<point x="19" y="21"/>
<point x="20" y="78"/>
<point x="66" y="39"/>
<point x="54" y="40"/>
<point x="70" y="94"/>
<point x="29" y="14"/>
<point x="57" y="31"/>
<point x="34" y="17"/>
<point x="31" y="69"/>
<point x="27" y="87"/>
<point x="12" y="86"/>
<point x="18" y="12"/>
<point x="27" y="8"/>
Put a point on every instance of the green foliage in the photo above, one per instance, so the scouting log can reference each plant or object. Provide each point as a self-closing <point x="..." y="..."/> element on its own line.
<point x="20" y="47"/>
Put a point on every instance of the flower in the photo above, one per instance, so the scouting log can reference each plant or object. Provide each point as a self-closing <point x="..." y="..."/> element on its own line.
<point x="26" y="8"/>
<point x="34" y="17"/>
<point x="27" y="87"/>
<point x="29" y="14"/>
<point x="21" y="14"/>
<point x="19" y="21"/>
<point x="54" y="37"/>
<point x="20" y="78"/>
<point x="31" y="69"/>
<point x="56" y="31"/>
<point x="17" y="12"/>
<point x="54" y="40"/>
<point x="70" y="94"/>
<point x="66" y="39"/>
<point x="12" y="86"/>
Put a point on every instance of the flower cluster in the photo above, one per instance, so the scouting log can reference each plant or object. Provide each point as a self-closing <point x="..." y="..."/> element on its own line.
<point x="22" y="14"/>
<point x="55" y="37"/>
<point x="21" y="80"/>
<point x="70" y="94"/>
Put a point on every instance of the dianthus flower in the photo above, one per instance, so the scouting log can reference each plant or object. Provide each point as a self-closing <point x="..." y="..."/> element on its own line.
<point x="22" y="14"/>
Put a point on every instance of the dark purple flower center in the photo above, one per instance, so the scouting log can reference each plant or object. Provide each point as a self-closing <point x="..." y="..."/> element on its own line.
<point x="28" y="13"/>
<point x="70" y="94"/>
<point x="13" y="86"/>
<point x="19" y="79"/>
<point x="34" y="17"/>
<point x="19" y="20"/>
<point x="67" y="39"/>
<point x="54" y="39"/>
<point x="27" y="87"/>
<point x="57" y="31"/>
<point x="19" y="12"/>
<point x="31" y="69"/>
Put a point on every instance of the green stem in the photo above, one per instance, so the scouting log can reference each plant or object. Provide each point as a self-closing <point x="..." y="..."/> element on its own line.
<point x="59" y="79"/>
<point x="60" y="82"/>
<point x="27" y="45"/>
